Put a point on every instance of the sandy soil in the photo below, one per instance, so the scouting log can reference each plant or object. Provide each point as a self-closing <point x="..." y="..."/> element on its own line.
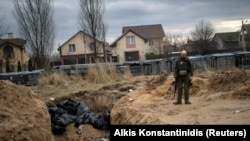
<point x="220" y="97"/>
<point x="23" y="115"/>
<point x="223" y="98"/>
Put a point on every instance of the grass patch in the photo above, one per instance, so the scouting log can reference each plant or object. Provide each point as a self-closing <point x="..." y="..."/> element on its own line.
<point x="106" y="73"/>
<point x="96" y="74"/>
<point x="53" y="78"/>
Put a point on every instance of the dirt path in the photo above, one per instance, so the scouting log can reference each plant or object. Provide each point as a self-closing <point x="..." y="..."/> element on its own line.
<point x="202" y="111"/>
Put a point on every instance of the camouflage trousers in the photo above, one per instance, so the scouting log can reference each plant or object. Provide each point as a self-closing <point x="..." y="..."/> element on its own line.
<point x="183" y="84"/>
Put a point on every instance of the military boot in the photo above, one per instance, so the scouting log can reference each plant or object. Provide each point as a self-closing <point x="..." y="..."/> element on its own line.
<point x="177" y="102"/>
<point x="187" y="99"/>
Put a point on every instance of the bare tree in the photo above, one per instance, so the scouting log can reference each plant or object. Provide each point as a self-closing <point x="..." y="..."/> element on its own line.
<point x="156" y="47"/>
<point x="203" y="31"/>
<point x="55" y="57"/>
<point x="174" y="41"/>
<point x="36" y="25"/>
<point x="202" y="35"/>
<point x="91" y="20"/>
<point x="3" y="26"/>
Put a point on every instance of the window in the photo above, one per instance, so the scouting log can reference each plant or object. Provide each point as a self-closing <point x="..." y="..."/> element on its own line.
<point x="91" y="46"/>
<point x="130" y="40"/>
<point x="72" y="48"/>
<point x="8" y="51"/>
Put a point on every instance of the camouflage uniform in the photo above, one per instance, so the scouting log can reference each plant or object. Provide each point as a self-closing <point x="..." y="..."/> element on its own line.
<point x="182" y="73"/>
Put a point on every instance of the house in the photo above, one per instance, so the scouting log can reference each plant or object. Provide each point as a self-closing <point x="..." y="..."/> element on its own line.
<point x="136" y="42"/>
<point x="244" y="41"/>
<point x="226" y="40"/>
<point x="79" y="49"/>
<point x="13" y="57"/>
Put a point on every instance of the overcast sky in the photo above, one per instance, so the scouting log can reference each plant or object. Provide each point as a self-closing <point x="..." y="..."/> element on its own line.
<point x="176" y="16"/>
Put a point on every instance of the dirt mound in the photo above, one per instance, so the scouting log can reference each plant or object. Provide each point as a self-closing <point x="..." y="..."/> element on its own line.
<point x="235" y="84"/>
<point x="228" y="80"/>
<point x="135" y="106"/>
<point x="163" y="85"/>
<point x="154" y="82"/>
<point x="23" y="116"/>
<point x="198" y="84"/>
<point x="129" y="109"/>
<point x="243" y="93"/>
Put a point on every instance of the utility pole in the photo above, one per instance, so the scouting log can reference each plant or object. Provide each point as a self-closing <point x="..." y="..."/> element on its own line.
<point x="243" y="31"/>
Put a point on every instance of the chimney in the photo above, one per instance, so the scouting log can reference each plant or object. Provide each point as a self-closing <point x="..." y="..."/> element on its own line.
<point x="10" y="35"/>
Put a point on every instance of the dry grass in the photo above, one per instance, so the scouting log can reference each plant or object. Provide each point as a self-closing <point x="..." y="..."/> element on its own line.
<point x="53" y="78"/>
<point x="100" y="74"/>
<point x="77" y="78"/>
<point x="106" y="73"/>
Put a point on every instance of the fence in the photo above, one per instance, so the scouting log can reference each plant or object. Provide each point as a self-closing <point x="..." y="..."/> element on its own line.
<point x="22" y="78"/>
<point x="147" y="67"/>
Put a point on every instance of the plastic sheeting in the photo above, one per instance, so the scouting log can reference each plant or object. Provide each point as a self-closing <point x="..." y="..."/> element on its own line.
<point x="70" y="111"/>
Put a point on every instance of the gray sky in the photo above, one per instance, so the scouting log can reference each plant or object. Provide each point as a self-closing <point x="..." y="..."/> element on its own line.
<point x="179" y="16"/>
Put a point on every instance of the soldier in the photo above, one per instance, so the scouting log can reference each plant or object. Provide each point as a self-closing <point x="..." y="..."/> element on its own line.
<point x="183" y="73"/>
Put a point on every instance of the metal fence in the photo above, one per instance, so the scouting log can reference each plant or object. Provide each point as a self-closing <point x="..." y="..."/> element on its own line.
<point x="23" y="78"/>
<point x="147" y="67"/>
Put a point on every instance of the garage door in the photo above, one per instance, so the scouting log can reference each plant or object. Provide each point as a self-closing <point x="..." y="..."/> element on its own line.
<point x="132" y="56"/>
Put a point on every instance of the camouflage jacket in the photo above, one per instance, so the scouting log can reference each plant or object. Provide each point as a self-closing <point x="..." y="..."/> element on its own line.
<point x="189" y="66"/>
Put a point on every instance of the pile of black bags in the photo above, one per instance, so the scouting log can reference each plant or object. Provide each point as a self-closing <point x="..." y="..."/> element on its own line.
<point x="70" y="111"/>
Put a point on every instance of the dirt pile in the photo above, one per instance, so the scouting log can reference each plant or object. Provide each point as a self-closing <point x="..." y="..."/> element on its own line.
<point x="164" y="85"/>
<point x="23" y="116"/>
<point x="198" y="84"/>
<point x="160" y="88"/>
<point x="160" y="85"/>
<point x="236" y="83"/>
<point x="136" y="107"/>
<point x="129" y="108"/>
<point x="154" y="82"/>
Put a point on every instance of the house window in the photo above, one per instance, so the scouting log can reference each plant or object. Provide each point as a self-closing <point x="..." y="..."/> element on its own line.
<point x="72" y="48"/>
<point x="91" y="46"/>
<point x="130" y="40"/>
<point x="8" y="51"/>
